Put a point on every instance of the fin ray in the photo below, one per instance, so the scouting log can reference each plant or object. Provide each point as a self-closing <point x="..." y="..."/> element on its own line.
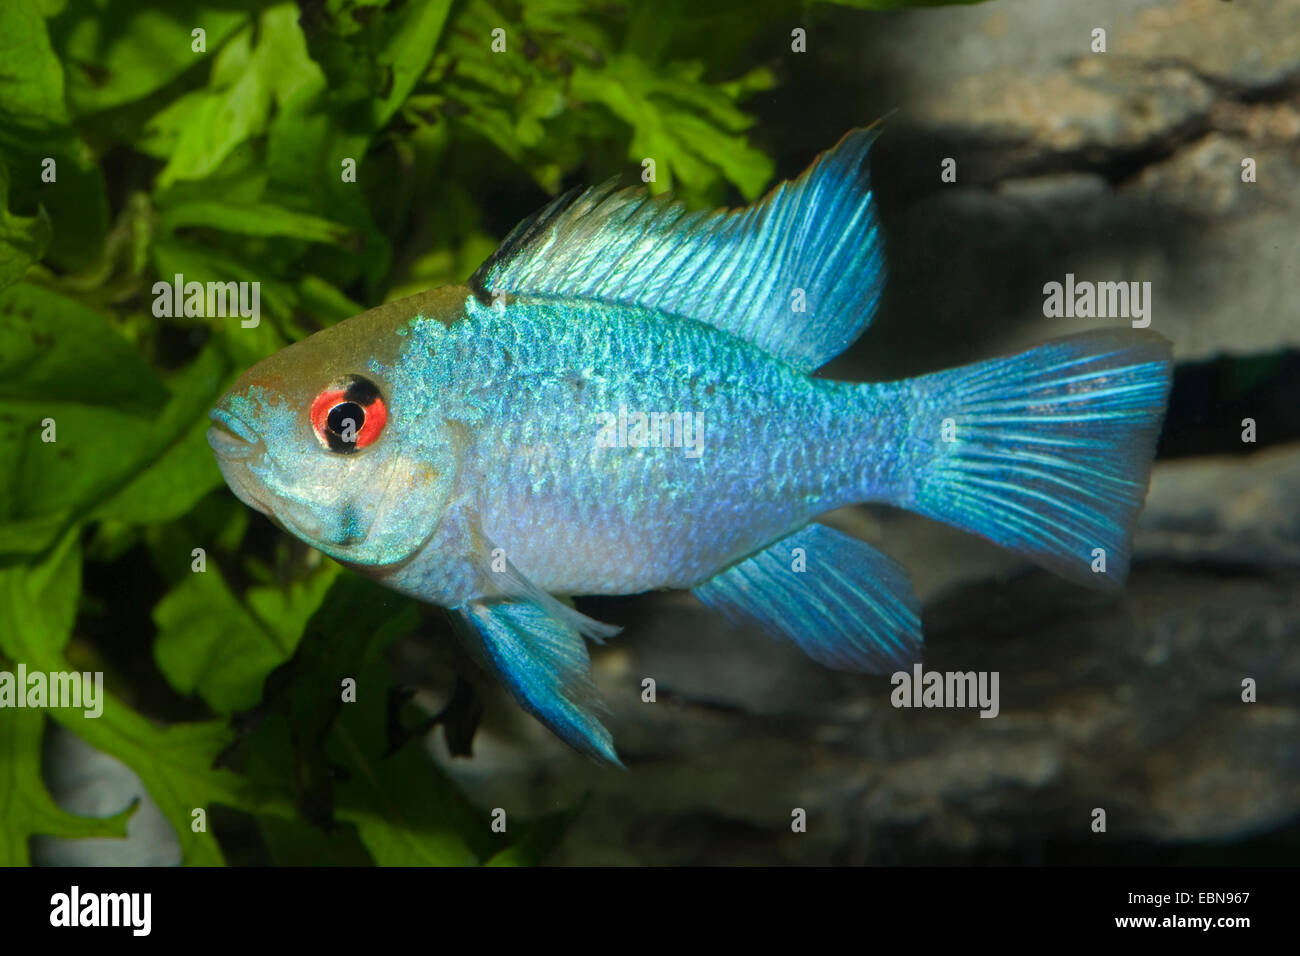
<point x="1052" y="448"/>
<point x="734" y="269"/>
<point x="543" y="662"/>
<point x="852" y="608"/>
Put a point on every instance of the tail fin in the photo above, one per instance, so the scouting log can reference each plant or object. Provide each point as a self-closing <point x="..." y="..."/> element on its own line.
<point x="1048" y="452"/>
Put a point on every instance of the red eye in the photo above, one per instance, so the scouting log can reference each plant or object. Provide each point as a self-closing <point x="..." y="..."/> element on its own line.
<point x="349" y="415"/>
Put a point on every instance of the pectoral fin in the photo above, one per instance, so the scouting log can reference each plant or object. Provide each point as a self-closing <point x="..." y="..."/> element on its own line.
<point x="499" y="578"/>
<point x="840" y="600"/>
<point x="543" y="661"/>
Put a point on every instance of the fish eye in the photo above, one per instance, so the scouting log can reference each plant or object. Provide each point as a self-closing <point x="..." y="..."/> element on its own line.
<point x="349" y="414"/>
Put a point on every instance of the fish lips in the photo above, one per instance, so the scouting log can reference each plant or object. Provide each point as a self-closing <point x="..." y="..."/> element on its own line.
<point x="230" y="437"/>
<point x="237" y="458"/>
<point x="236" y="445"/>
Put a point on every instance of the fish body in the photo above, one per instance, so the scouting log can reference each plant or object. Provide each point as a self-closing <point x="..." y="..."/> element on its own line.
<point x="535" y="384"/>
<point x="622" y="400"/>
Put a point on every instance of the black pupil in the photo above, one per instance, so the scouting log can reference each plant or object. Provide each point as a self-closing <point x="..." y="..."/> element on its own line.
<point x="343" y="424"/>
<point x="338" y="420"/>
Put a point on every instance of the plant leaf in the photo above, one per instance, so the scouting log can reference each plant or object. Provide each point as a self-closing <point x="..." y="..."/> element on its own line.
<point x="22" y="238"/>
<point x="211" y="643"/>
<point x="118" y="51"/>
<point x="26" y="807"/>
<point x="535" y="839"/>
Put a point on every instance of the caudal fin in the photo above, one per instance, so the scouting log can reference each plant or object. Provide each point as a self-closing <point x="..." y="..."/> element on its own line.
<point x="1048" y="452"/>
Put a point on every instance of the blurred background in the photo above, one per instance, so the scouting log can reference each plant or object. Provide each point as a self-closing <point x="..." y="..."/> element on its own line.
<point x="229" y="163"/>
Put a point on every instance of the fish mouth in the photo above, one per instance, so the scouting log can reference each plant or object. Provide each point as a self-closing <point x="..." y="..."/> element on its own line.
<point x="231" y="438"/>
<point x="236" y="445"/>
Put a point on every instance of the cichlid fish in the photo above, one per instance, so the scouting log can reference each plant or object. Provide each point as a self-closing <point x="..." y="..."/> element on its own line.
<point x="621" y="399"/>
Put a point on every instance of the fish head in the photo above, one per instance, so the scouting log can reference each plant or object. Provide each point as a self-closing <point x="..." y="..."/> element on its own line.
<point x="330" y="440"/>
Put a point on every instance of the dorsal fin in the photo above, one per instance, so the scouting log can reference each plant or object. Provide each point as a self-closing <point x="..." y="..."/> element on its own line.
<point x="737" y="270"/>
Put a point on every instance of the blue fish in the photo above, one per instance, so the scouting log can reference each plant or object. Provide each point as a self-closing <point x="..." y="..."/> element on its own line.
<point x="621" y="399"/>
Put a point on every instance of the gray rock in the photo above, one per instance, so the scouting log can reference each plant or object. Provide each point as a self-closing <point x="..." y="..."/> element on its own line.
<point x="1240" y="510"/>
<point x="1121" y="166"/>
<point x="90" y="783"/>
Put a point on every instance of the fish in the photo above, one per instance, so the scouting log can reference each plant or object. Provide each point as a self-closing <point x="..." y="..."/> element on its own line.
<point x="622" y="399"/>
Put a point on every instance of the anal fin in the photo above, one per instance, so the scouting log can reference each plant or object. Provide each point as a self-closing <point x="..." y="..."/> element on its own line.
<point x="845" y="604"/>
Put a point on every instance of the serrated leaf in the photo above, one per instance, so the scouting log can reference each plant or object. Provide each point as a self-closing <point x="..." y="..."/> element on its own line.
<point x="36" y="139"/>
<point x="63" y="365"/>
<point x="26" y="807"/>
<point x="251" y="219"/>
<point x="689" y="128"/>
<point x="118" y="51"/>
<point x="215" y="645"/>
<point x="22" y="238"/>
<point x="175" y="764"/>
<point x="184" y="470"/>
<point x="37" y="608"/>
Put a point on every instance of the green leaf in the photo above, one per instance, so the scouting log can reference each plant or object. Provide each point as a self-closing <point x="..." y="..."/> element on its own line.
<point x="294" y="843"/>
<point x="246" y="80"/>
<point x="37" y="610"/>
<point x="405" y="809"/>
<point x="33" y="132"/>
<point x="26" y="808"/>
<point x="175" y="763"/>
<point x="372" y="54"/>
<point x="118" y="51"/>
<point x="31" y="83"/>
<point x="535" y="839"/>
<point x="184" y="470"/>
<point x="67" y="375"/>
<point x="412" y="35"/>
<point x="355" y="615"/>
<point x="689" y="128"/>
<point x="22" y="238"/>
<point x="213" y="644"/>
<point x="54" y="349"/>
<point x="251" y="219"/>
<point x="28" y="536"/>
<point x="38" y="605"/>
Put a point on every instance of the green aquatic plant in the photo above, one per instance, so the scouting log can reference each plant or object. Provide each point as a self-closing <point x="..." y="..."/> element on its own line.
<point x="159" y="159"/>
